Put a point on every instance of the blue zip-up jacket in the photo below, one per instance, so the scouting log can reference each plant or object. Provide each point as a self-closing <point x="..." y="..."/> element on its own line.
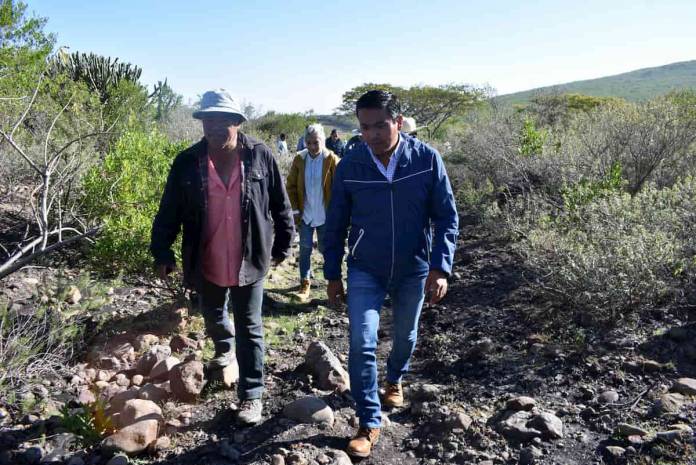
<point x="389" y="224"/>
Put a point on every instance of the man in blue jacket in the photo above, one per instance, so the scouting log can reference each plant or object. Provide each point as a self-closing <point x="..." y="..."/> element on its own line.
<point x="393" y="200"/>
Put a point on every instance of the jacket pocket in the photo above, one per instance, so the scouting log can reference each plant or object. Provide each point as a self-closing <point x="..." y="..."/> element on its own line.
<point x="361" y="233"/>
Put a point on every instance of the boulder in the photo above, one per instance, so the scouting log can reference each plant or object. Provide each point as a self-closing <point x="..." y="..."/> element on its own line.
<point x="187" y="380"/>
<point x="155" y="392"/>
<point x="669" y="403"/>
<point x="326" y="368"/>
<point x="153" y="355"/>
<point x="160" y="371"/>
<point x="309" y="409"/>
<point x="137" y="410"/>
<point x="117" y="402"/>
<point x="134" y="438"/>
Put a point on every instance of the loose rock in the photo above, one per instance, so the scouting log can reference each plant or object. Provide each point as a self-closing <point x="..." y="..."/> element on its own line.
<point x="160" y="371"/>
<point x="133" y="438"/>
<point x="669" y="403"/>
<point x="686" y="386"/>
<point x="520" y="403"/>
<point x="309" y="410"/>
<point x="326" y="368"/>
<point x="187" y="380"/>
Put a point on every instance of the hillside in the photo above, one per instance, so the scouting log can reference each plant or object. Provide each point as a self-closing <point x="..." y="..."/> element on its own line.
<point x="640" y="84"/>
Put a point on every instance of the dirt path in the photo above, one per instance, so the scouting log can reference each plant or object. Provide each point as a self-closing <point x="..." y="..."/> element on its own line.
<point x="488" y="342"/>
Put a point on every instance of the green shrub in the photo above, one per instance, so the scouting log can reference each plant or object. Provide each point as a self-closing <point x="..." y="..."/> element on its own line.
<point x="124" y="193"/>
<point x="615" y="255"/>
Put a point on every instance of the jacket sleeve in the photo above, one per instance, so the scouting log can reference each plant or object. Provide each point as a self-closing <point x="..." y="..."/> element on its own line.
<point x="292" y="185"/>
<point x="167" y="222"/>
<point x="281" y="212"/>
<point x="444" y="219"/>
<point x="336" y="229"/>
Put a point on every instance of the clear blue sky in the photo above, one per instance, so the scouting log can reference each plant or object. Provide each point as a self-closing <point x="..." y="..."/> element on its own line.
<point x="298" y="55"/>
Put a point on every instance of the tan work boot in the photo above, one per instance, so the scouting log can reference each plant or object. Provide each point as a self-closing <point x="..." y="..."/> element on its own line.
<point x="362" y="442"/>
<point x="393" y="395"/>
<point x="303" y="293"/>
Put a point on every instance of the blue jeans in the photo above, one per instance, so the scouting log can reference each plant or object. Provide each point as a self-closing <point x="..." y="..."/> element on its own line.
<point x="365" y="297"/>
<point x="243" y="335"/>
<point x="306" y="245"/>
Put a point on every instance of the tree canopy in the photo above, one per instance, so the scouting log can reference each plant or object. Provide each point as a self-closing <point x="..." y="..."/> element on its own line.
<point x="431" y="106"/>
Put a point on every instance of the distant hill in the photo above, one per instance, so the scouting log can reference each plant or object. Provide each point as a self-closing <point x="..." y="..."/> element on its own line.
<point x="641" y="84"/>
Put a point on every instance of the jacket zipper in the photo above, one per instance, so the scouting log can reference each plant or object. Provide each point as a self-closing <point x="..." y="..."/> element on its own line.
<point x="355" y="246"/>
<point x="391" y="192"/>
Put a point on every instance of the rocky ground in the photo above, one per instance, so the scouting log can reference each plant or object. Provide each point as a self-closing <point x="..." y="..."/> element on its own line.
<point x="495" y="380"/>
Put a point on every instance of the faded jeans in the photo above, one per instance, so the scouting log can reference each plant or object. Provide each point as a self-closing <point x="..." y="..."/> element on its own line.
<point x="245" y="303"/>
<point x="306" y="246"/>
<point x="365" y="297"/>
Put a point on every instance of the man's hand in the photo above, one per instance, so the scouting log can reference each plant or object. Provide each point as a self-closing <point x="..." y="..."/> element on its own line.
<point x="335" y="292"/>
<point x="435" y="286"/>
<point x="163" y="271"/>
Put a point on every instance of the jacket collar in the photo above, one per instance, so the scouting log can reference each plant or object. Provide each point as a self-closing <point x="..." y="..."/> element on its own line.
<point x="363" y="155"/>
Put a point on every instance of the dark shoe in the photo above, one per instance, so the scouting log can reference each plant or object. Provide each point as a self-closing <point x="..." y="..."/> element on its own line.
<point x="250" y="412"/>
<point x="393" y="395"/>
<point x="362" y="443"/>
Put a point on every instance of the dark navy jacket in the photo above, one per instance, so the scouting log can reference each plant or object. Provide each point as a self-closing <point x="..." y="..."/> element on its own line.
<point x="394" y="229"/>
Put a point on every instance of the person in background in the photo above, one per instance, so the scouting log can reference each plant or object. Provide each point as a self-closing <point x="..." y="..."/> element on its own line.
<point x="227" y="193"/>
<point x="309" y="188"/>
<point x="393" y="200"/>
<point x="409" y="126"/>
<point x="335" y="144"/>
<point x="301" y="142"/>
<point x="282" y="145"/>
<point x="353" y="141"/>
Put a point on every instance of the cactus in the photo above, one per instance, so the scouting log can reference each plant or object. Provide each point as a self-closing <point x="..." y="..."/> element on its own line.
<point x="98" y="72"/>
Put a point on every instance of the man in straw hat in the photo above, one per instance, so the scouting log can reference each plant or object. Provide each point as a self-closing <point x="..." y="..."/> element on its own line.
<point x="221" y="190"/>
<point x="393" y="200"/>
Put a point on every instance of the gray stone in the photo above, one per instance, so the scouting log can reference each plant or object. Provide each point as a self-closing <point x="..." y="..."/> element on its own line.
<point x="424" y="392"/>
<point x="520" y="403"/>
<point x="615" y="451"/>
<point x="679" y="431"/>
<point x="137" y="410"/>
<point x="609" y="397"/>
<point x="326" y="368"/>
<point x="338" y="457"/>
<point x="155" y="392"/>
<point x="549" y="424"/>
<point x="134" y="438"/>
<point x="187" y="380"/>
<point x="309" y="410"/>
<point x="277" y="459"/>
<point x="153" y="355"/>
<point x="160" y="371"/>
<point x="514" y="426"/>
<point x="529" y="455"/>
<point x="669" y="403"/>
<point x="624" y="430"/>
<point x="686" y="386"/>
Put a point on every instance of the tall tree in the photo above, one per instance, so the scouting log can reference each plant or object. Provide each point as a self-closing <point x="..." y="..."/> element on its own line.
<point x="432" y="106"/>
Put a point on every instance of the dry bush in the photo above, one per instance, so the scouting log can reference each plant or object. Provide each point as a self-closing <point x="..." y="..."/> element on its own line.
<point x="615" y="255"/>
